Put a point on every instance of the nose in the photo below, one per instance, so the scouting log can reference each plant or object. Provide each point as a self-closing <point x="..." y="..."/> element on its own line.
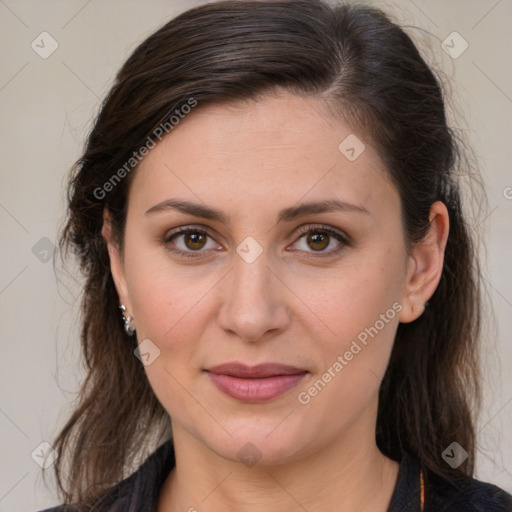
<point x="254" y="298"/>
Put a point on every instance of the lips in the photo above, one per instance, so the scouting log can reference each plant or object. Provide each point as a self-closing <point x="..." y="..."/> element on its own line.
<point x="255" y="384"/>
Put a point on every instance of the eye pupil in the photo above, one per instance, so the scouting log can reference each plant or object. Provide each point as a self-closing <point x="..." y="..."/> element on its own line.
<point x="318" y="238"/>
<point x="196" y="240"/>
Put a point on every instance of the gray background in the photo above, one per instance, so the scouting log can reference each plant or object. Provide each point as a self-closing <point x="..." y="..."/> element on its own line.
<point x="47" y="106"/>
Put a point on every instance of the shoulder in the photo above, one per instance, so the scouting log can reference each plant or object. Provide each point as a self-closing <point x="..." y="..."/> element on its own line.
<point x="138" y="491"/>
<point x="465" y="495"/>
<point x="461" y="494"/>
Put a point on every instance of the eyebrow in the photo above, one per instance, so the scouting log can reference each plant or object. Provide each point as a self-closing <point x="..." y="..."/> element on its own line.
<point x="286" y="215"/>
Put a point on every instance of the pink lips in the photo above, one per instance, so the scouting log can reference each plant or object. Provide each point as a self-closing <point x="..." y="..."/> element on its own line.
<point x="255" y="383"/>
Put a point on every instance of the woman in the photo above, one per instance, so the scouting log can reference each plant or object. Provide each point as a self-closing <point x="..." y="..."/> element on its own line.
<point x="269" y="195"/>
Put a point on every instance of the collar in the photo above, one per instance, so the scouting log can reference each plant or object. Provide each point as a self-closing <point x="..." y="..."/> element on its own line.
<point x="141" y="490"/>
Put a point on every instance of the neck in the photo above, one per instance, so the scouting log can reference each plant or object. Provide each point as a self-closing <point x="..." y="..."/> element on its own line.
<point x="348" y="476"/>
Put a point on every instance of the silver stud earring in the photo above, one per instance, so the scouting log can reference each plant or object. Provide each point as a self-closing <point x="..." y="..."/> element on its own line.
<point x="128" y="328"/>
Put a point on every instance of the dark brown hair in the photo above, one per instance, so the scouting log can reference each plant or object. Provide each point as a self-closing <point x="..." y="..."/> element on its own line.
<point x="371" y="75"/>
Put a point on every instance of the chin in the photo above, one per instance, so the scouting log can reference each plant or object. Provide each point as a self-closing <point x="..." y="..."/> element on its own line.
<point x="260" y="444"/>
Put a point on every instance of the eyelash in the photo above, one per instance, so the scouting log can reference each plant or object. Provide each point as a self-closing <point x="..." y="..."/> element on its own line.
<point x="304" y="230"/>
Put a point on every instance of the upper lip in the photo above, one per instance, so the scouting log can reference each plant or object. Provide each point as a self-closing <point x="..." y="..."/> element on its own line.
<point x="258" y="371"/>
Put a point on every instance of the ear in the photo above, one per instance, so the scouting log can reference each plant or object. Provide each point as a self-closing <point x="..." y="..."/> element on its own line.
<point x="116" y="261"/>
<point x="425" y="264"/>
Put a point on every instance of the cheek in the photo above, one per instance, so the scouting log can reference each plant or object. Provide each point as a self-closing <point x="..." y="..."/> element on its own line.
<point x="344" y="302"/>
<point x="353" y="361"/>
<point x="164" y="296"/>
<point x="356" y="314"/>
<point x="168" y="307"/>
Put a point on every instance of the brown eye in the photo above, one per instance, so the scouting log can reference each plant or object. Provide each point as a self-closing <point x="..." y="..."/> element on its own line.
<point x="194" y="240"/>
<point x="318" y="240"/>
<point x="189" y="242"/>
<point x="324" y="241"/>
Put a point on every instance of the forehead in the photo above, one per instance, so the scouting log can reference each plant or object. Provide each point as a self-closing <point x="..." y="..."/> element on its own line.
<point x="280" y="148"/>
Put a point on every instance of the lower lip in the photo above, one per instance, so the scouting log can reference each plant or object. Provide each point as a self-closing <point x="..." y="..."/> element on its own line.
<point x="255" y="390"/>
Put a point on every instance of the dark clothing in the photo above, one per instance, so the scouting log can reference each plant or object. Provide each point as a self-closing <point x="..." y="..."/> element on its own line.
<point x="140" y="491"/>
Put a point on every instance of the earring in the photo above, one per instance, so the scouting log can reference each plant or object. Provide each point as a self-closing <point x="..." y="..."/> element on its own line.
<point x="128" y="329"/>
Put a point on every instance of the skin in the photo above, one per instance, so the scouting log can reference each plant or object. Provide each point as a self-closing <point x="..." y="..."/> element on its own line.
<point x="291" y="305"/>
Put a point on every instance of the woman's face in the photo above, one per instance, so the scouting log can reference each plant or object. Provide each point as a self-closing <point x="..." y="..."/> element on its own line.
<point x="281" y="277"/>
